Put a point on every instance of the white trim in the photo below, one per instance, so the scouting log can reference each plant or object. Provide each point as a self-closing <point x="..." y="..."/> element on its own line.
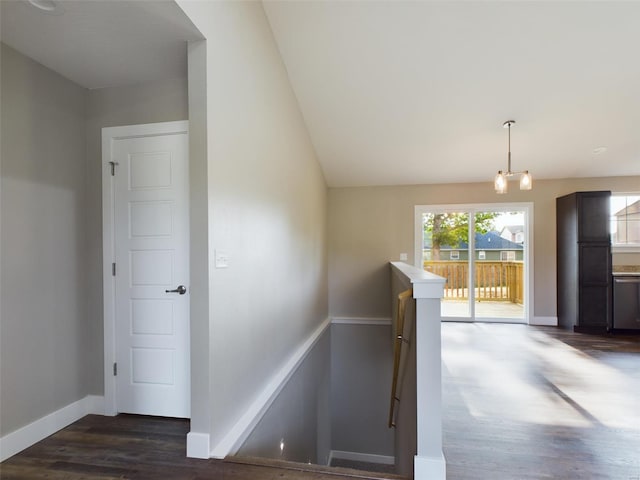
<point x="512" y="321"/>
<point x="361" y="457"/>
<point x="239" y="433"/>
<point x="198" y="445"/>
<point x="40" y="429"/>
<point x="94" y="404"/>
<point x="360" y="321"/>
<point x="108" y="282"/>
<point x="109" y="134"/>
<point x="429" y="468"/>
<point x="544" y="321"/>
<point x="424" y="284"/>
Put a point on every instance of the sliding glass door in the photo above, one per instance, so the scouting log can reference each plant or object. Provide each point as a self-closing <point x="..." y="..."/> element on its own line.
<point x="499" y="265"/>
<point x="483" y="252"/>
<point x="446" y="253"/>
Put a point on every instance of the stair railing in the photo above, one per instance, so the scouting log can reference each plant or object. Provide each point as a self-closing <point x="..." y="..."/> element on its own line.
<point x="400" y="340"/>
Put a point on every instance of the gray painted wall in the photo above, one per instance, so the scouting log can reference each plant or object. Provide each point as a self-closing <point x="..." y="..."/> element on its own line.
<point x="338" y="399"/>
<point x="267" y="212"/>
<point x="369" y="226"/>
<point x="43" y="331"/>
<point x="266" y="205"/>
<point x="52" y="313"/>
<point x="300" y="415"/>
<point x="161" y="101"/>
<point x="361" y="370"/>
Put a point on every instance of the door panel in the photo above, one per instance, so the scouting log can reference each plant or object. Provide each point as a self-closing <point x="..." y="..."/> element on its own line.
<point x="499" y="265"/>
<point x="151" y="317"/>
<point x="151" y="255"/>
<point x="446" y="253"/>
<point x="595" y="305"/>
<point x="593" y="216"/>
<point x="150" y="219"/>
<point x="595" y="264"/>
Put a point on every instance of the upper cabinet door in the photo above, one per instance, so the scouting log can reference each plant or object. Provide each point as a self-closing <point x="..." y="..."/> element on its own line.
<point x="593" y="216"/>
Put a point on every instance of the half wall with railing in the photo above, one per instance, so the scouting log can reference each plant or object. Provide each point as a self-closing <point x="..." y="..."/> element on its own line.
<point x="416" y="398"/>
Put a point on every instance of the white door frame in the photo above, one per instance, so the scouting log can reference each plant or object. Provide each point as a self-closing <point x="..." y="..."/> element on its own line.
<point x="109" y="134"/>
<point x="526" y="207"/>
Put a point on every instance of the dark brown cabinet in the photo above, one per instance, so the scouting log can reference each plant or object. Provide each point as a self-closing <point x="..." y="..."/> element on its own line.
<point x="584" y="261"/>
<point x="593" y="214"/>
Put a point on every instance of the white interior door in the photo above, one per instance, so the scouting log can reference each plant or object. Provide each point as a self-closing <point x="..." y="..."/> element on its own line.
<point x="151" y="291"/>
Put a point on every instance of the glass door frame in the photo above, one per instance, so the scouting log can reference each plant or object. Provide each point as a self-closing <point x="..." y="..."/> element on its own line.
<point x="472" y="209"/>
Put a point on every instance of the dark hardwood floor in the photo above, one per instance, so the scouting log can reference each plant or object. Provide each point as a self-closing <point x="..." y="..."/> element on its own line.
<point x="148" y="448"/>
<point x="540" y="402"/>
<point x="519" y="403"/>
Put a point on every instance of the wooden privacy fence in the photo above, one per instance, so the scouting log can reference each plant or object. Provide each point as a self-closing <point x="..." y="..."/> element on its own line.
<point x="497" y="281"/>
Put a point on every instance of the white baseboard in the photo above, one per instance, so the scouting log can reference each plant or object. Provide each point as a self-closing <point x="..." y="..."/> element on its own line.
<point x="544" y="321"/>
<point x="239" y="433"/>
<point x="361" y="457"/>
<point x="40" y="429"/>
<point x="95" y="404"/>
<point x="360" y="321"/>
<point x="432" y="468"/>
<point x="513" y="321"/>
<point x="198" y="445"/>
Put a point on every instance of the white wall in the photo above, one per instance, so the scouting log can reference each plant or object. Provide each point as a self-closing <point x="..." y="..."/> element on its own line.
<point x="43" y="331"/>
<point x="267" y="212"/>
<point x="369" y="226"/>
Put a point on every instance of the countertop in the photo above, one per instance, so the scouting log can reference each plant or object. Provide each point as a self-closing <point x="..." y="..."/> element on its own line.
<point x="626" y="270"/>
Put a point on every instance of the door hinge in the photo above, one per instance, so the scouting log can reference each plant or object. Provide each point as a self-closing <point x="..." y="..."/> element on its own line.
<point x="113" y="168"/>
<point x="113" y="269"/>
<point x="115" y="369"/>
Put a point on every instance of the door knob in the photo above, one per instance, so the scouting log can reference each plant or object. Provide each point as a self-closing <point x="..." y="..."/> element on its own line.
<point x="181" y="290"/>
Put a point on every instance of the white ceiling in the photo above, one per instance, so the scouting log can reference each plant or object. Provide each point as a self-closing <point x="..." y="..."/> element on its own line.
<point x="400" y="92"/>
<point x="397" y="92"/>
<point x="102" y="43"/>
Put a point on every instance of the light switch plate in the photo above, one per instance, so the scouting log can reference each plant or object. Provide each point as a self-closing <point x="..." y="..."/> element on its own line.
<point x="222" y="259"/>
<point x="404" y="257"/>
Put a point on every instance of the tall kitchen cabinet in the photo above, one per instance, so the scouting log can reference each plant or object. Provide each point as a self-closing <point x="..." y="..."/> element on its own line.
<point x="584" y="261"/>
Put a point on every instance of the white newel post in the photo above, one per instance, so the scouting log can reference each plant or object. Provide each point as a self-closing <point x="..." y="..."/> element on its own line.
<point x="428" y="289"/>
<point x="429" y="463"/>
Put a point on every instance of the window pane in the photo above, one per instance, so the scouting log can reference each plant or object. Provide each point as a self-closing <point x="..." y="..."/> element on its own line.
<point x="446" y="253"/>
<point x="625" y="219"/>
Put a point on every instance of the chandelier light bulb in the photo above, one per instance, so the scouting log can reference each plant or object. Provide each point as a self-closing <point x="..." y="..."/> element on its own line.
<point x="500" y="183"/>
<point x="525" y="181"/>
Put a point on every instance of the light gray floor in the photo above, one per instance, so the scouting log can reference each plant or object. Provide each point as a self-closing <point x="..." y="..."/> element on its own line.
<point x="484" y="309"/>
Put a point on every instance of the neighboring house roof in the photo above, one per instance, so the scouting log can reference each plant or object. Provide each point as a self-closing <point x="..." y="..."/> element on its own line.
<point x="629" y="209"/>
<point x="484" y="241"/>
<point x="512" y="229"/>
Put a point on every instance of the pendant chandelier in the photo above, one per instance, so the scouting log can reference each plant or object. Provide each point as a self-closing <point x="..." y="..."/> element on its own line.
<point x="501" y="181"/>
